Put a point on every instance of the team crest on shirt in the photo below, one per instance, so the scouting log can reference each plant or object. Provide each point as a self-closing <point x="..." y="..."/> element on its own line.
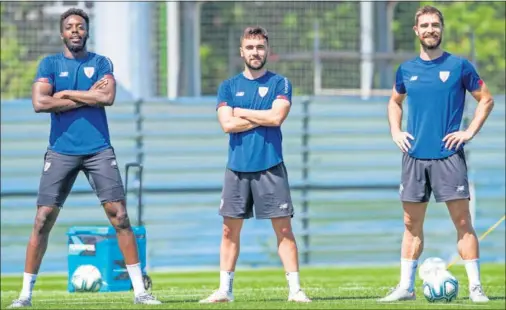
<point x="444" y="75"/>
<point x="89" y="71"/>
<point x="262" y="91"/>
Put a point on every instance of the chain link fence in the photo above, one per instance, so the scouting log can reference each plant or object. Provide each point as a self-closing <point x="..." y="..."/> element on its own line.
<point x="30" y="30"/>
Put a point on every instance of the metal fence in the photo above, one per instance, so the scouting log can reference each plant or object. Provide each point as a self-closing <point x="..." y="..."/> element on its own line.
<point x="316" y="44"/>
<point x="343" y="170"/>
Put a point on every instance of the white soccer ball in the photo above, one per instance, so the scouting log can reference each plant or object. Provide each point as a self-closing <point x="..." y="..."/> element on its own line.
<point x="440" y="286"/>
<point x="87" y="278"/>
<point x="430" y="266"/>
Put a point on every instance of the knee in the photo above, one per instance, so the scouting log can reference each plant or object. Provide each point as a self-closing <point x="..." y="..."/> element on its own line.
<point x="122" y="221"/>
<point x="285" y="232"/>
<point x="464" y="224"/>
<point x="229" y="233"/>
<point x="43" y="223"/>
<point x="413" y="225"/>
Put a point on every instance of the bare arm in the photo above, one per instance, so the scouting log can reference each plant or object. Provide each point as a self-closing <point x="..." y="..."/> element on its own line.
<point x="395" y="120"/>
<point x="273" y="117"/>
<point x="42" y="100"/>
<point x="395" y="111"/>
<point x="485" y="106"/>
<point x="103" y="96"/>
<point x="230" y="124"/>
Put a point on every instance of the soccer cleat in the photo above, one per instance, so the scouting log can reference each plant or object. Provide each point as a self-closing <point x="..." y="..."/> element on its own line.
<point x="146" y="299"/>
<point x="399" y="294"/>
<point x="300" y="296"/>
<point x="218" y="296"/>
<point x="476" y="294"/>
<point x="20" y="303"/>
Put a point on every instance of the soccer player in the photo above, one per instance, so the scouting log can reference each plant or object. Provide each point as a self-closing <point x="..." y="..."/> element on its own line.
<point x="75" y="87"/>
<point x="435" y="84"/>
<point x="251" y="109"/>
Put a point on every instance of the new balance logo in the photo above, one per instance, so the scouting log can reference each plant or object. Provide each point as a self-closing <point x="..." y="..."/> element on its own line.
<point x="414" y="78"/>
<point x="239" y="94"/>
<point x="461" y="188"/>
<point x="283" y="206"/>
<point x="64" y="74"/>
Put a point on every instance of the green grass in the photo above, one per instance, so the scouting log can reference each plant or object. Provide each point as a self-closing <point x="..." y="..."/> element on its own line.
<point x="330" y="288"/>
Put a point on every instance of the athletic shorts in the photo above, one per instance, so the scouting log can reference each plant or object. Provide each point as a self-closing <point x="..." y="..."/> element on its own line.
<point x="446" y="177"/>
<point x="60" y="172"/>
<point x="267" y="191"/>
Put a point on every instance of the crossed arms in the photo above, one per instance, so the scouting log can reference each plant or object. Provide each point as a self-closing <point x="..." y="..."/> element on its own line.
<point x="233" y="120"/>
<point x="102" y="93"/>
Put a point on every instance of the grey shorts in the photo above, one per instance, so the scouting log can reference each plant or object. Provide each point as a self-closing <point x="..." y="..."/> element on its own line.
<point x="268" y="191"/>
<point x="446" y="177"/>
<point x="60" y="172"/>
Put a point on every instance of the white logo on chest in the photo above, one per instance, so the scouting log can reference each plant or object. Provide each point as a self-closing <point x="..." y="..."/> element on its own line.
<point x="89" y="71"/>
<point x="444" y="75"/>
<point x="262" y="91"/>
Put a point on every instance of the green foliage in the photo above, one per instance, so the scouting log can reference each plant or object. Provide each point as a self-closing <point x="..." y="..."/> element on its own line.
<point x="16" y="72"/>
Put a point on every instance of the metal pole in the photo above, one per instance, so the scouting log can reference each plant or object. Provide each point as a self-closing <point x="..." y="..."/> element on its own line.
<point x="472" y="190"/>
<point x="317" y="82"/>
<point x="366" y="48"/>
<point x="173" y="43"/>
<point x="305" y="179"/>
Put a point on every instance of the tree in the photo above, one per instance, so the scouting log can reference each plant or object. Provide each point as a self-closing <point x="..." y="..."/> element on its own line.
<point x="16" y="71"/>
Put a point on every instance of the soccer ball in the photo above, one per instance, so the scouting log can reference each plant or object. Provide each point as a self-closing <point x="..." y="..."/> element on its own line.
<point x="87" y="278"/>
<point x="440" y="286"/>
<point x="431" y="265"/>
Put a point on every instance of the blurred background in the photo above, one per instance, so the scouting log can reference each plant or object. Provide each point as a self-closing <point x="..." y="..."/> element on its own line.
<point x="169" y="59"/>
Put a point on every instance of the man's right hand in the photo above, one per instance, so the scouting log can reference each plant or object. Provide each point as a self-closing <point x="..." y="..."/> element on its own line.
<point x="401" y="139"/>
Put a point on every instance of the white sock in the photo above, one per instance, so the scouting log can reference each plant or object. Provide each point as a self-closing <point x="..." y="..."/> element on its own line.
<point x="135" y="273"/>
<point x="408" y="273"/>
<point x="293" y="282"/>
<point x="226" y="281"/>
<point x="28" y="283"/>
<point x="473" y="271"/>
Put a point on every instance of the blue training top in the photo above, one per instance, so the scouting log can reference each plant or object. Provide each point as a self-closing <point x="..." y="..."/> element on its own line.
<point x="84" y="130"/>
<point x="436" y="91"/>
<point x="260" y="148"/>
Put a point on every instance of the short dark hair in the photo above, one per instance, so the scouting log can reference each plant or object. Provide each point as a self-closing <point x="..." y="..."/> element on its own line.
<point x="251" y="32"/>
<point x="77" y="12"/>
<point x="429" y="10"/>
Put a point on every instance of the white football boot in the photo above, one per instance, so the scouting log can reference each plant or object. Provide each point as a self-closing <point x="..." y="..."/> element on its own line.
<point x="218" y="296"/>
<point x="398" y="294"/>
<point x="300" y="296"/>
<point x="476" y="294"/>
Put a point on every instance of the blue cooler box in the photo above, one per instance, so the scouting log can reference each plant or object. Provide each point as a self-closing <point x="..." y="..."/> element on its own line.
<point x="98" y="246"/>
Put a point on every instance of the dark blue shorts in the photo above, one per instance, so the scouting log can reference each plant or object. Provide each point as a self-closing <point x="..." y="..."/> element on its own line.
<point x="446" y="177"/>
<point x="267" y="191"/>
<point x="60" y="172"/>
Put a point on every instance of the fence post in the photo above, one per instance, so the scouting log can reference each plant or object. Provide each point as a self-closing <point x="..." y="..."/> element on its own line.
<point x="305" y="176"/>
<point x="139" y="147"/>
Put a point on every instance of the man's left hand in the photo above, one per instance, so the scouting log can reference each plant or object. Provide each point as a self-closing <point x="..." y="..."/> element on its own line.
<point x="456" y="139"/>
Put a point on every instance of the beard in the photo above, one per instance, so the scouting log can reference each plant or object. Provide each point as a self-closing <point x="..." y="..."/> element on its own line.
<point x="433" y="45"/>
<point x="260" y="66"/>
<point x="73" y="47"/>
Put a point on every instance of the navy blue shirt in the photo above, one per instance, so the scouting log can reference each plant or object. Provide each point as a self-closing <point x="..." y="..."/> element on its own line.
<point x="260" y="148"/>
<point x="84" y="130"/>
<point x="436" y="93"/>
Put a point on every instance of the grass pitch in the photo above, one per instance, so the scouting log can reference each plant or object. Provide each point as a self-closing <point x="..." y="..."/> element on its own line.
<point x="330" y="288"/>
